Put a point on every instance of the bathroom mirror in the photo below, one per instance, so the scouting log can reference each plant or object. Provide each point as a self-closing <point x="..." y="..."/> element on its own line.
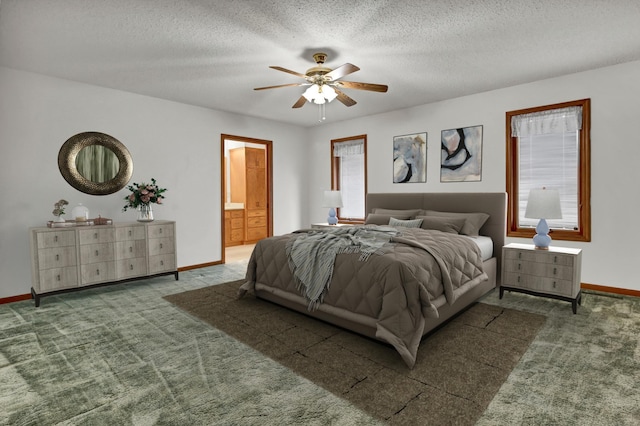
<point x="95" y="163"/>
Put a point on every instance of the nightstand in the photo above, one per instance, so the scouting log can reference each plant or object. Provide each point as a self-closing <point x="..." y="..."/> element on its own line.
<point x="553" y="273"/>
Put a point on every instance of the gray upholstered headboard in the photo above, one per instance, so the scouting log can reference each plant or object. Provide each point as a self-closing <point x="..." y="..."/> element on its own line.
<point x="493" y="203"/>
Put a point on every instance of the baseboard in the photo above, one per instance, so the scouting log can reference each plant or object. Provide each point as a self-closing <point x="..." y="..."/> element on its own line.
<point x="198" y="266"/>
<point x="17" y="298"/>
<point x="614" y="290"/>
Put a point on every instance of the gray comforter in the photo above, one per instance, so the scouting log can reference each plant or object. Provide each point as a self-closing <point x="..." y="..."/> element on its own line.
<point x="396" y="288"/>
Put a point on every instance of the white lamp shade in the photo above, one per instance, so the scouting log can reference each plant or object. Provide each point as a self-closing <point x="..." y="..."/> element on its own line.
<point x="543" y="204"/>
<point x="332" y="199"/>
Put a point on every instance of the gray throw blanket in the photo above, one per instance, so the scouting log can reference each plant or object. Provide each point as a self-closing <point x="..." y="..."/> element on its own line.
<point x="312" y="254"/>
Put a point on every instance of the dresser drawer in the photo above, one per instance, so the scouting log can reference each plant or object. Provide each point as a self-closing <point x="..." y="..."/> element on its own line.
<point x="94" y="253"/>
<point x="162" y="263"/>
<point x="129" y="233"/>
<point x="97" y="272"/>
<point x="134" y="267"/>
<point x="56" y="239"/>
<point x="57" y="279"/>
<point x="260" y="221"/>
<point x="539" y="269"/>
<point x="538" y="284"/>
<point x="256" y="213"/>
<point x="56" y="257"/>
<point x="130" y="249"/>
<point x="96" y="235"/>
<point x="161" y="246"/>
<point x="237" y="223"/>
<point x="158" y="231"/>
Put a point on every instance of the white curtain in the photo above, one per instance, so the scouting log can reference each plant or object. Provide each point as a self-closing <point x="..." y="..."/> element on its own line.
<point x="563" y="120"/>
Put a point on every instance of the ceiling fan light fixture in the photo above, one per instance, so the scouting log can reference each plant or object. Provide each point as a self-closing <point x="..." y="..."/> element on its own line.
<point x="319" y="94"/>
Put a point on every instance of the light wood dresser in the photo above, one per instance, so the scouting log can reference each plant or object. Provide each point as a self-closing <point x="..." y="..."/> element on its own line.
<point x="72" y="258"/>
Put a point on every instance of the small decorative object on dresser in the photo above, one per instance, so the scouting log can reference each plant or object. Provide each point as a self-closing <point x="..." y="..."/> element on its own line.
<point x="58" y="210"/>
<point x="553" y="273"/>
<point x="543" y="204"/>
<point x="80" y="213"/>
<point x="142" y="196"/>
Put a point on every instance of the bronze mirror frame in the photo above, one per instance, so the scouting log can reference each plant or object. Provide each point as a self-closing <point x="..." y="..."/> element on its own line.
<point x="67" y="163"/>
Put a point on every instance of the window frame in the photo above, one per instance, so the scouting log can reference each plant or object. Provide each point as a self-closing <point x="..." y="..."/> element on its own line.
<point x="335" y="174"/>
<point x="583" y="233"/>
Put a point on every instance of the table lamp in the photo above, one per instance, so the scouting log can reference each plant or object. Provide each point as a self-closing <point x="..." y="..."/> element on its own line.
<point x="332" y="200"/>
<point x="543" y="204"/>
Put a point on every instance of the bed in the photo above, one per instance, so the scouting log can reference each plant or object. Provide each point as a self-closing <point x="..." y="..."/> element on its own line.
<point x="401" y="290"/>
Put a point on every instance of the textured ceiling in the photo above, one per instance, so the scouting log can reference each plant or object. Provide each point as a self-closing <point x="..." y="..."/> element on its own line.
<point x="213" y="53"/>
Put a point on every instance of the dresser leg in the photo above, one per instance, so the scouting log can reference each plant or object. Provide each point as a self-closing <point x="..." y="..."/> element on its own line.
<point x="574" y="305"/>
<point x="35" y="297"/>
<point x="501" y="292"/>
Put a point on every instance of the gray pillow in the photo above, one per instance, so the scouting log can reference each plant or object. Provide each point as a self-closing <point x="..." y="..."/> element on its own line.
<point x="411" y="223"/>
<point x="381" y="219"/>
<point x="473" y="221"/>
<point x="397" y="213"/>
<point x="452" y="225"/>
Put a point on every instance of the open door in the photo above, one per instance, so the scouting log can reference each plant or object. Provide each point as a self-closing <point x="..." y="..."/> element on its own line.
<point x="246" y="166"/>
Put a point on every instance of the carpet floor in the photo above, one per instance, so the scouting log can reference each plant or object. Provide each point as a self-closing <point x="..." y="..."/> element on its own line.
<point x="459" y="369"/>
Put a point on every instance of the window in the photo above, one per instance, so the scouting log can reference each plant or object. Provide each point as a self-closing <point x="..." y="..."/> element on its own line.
<point x="349" y="176"/>
<point x="549" y="146"/>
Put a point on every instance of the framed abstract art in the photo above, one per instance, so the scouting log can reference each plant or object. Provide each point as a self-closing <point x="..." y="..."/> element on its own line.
<point x="461" y="154"/>
<point x="410" y="158"/>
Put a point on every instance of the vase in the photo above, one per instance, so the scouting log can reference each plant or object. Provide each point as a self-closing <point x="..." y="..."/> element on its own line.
<point x="59" y="219"/>
<point x="145" y="213"/>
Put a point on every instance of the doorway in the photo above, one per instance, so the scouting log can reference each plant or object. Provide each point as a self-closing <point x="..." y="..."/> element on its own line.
<point x="246" y="168"/>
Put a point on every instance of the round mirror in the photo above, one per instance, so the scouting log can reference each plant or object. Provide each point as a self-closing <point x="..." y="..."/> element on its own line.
<point x="95" y="163"/>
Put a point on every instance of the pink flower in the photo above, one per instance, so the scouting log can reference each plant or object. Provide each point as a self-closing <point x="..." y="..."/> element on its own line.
<point x="144" y="192"/>
<point x="145" y="199"/>
<point x="159" y="201"/>
<point x="132" y="198"/>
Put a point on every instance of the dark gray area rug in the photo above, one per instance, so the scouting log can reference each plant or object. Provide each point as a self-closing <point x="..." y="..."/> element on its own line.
<point x="459" y="369"/>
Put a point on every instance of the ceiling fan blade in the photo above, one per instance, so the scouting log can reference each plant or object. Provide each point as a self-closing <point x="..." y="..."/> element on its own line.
<point x="288" y="71"/>
<point x="344" y="98"/>
<point x="280" y="85"/>
<point x="363" y="86"/>
<point x="300" y="102"/>
<point x="341" y="71"/>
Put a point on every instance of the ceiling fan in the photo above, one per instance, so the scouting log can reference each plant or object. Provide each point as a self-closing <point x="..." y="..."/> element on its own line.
<point x="325" y="84"/>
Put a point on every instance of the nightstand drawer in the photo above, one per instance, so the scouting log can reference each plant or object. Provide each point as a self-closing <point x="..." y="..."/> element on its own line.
<point x="539" y="269"/>
<point x="538" y="256"/>
<point x="538" y="284"/>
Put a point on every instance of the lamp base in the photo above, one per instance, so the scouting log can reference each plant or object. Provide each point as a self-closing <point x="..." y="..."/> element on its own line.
<point x="332" y="219"/>
<point x="542" y="240"/>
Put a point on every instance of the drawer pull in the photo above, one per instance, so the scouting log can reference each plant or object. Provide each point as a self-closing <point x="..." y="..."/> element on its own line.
<point x="58" y="277"/>
<point x="129" y="232"/>
<point x="519" y="255"/>
<point x="97" y="271"/>
<point x="518" y="278"/>
<point x="130" y="249"/>
<point x="131" y="267"/>
<point x="96" y="252"/>
<point x="555" y="259"/>
<point x="55" y="238"/>
<point x="160" y="245"/>
<point x="95" y="235"/>
<point x="162" y="263"/>
<point x="555" y="271"/>
<point x="554" y="284"/>
<point x="57" y="257"/>
<point x="519" y="266"/>
<point x="160" y="231"/>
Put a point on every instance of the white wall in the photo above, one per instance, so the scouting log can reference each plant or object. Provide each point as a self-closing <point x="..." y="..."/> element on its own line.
<point x="610" y="258"/>
<point x="177" y="144"/>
